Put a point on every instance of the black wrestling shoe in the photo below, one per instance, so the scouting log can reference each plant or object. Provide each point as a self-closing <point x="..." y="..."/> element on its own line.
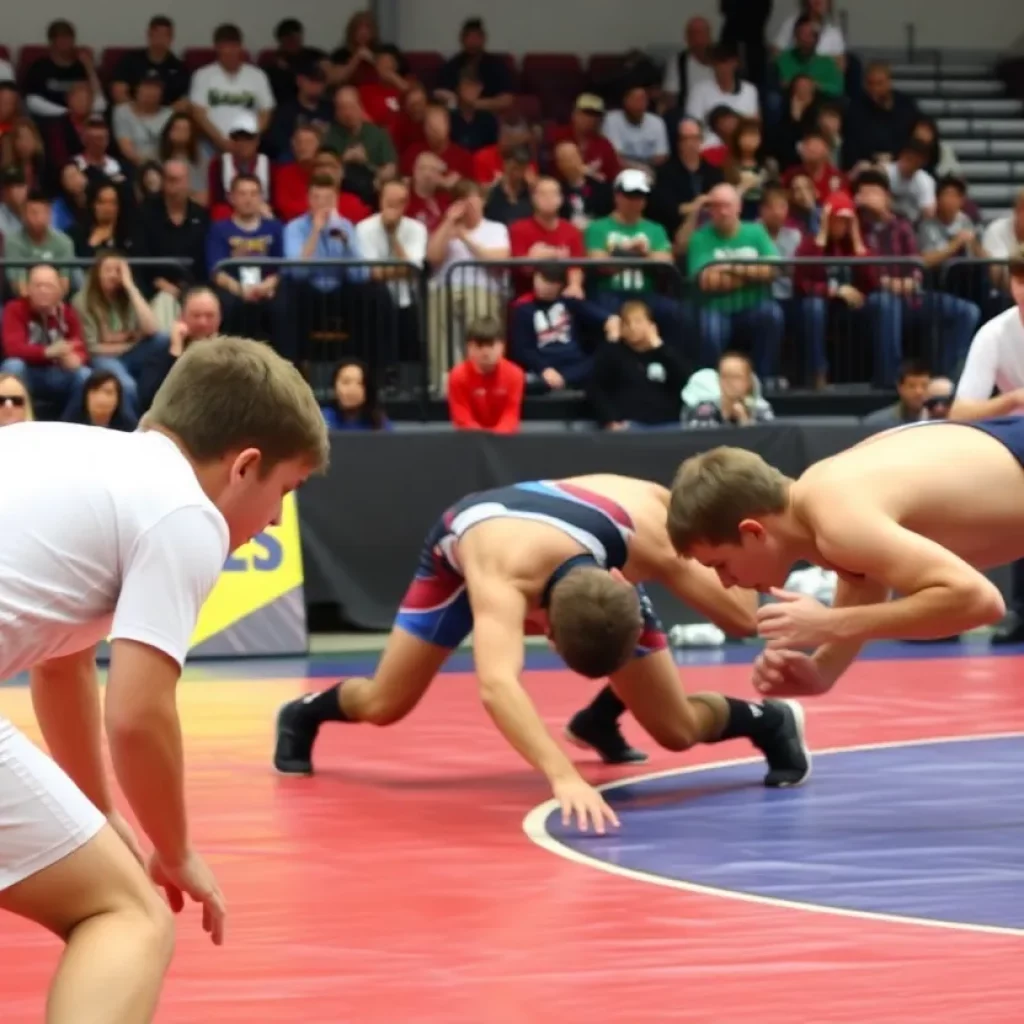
<point x="293" y="749"/>
<point x="604" y="737"/>
<point x="785" y="749"/>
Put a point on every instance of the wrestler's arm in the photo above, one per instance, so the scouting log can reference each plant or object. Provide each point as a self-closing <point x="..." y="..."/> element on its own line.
<point x="499" y="610"/>
<point x="66" y="699"/>
<point x="699" y="587"/>
<point x="166" y="581"/>
<point x="833" y="659"/>
<point x="943" y="595"/>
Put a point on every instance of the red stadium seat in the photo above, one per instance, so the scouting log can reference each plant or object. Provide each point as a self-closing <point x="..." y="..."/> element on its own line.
<point x="604" y="66"/>
<point x="5" y="54"/>
<point x="198" y="56"/>
<point x="27" y="56"/>
<point x="424" y="66"/>
<point x="513" y="69"/>
<point x="530" y="107"/>
<point x="557" y="78"/>
<point x="109" y="60"/>
<point x="265" y="58"/>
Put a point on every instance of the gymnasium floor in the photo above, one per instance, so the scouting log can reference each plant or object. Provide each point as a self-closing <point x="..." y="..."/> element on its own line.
<point x="420" y="877"/>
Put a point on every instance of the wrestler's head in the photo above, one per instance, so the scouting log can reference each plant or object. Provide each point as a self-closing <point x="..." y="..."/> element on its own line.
<point x="249" y="424"/>
<point x="725" y="511"/>
<point x="595" y="621"/>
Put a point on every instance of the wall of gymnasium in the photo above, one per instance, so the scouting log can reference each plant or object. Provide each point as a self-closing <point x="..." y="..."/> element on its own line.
<point x="581" y="26"/>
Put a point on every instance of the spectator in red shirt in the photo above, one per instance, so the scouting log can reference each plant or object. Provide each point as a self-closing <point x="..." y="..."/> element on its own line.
<point x="291" y="181"/>
<point x="546" y="236"/>
<point x="407" y="127"/>
<point x="42" y="342"/>
<point x="427" y="201"/>
<point x="485" y="392"/>
<point x="437" y="131"/>
<point x="585" y="130"/>
<point x="382" y="99"/>
<point x="489" y="162"/>
<point x="815" y="163"/>
<point x="723" y="123"/>
<point x="828" y="289"/>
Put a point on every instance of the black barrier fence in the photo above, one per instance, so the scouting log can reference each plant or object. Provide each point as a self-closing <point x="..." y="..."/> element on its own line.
<point x="145" y="269"/>
<point x="363" y="528"/>
<point x="804" y="321"/>
<point x="320" y="311"/>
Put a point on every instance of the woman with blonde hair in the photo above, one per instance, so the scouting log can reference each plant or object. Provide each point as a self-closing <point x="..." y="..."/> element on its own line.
<point x="15" y="401"/>
<point x="22" y="147"/>
<point x="118" y="325"/>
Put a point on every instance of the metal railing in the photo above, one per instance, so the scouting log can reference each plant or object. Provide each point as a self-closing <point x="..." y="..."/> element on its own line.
<point x="810" y="321"/>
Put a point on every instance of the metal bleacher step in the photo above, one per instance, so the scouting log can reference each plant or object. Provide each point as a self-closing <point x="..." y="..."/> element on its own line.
<point x="946" y="107"/>
<point x="939" y="69"/>
<point x="987" y="194"/>
<point x="992" y="170"/>
<point x="981" y="126"/>
<point x="967" y="88"/>
<point x="967" y="147"/>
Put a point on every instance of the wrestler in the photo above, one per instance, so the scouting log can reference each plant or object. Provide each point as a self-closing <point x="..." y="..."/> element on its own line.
<point x="564" y="558"/>
<point x="917" y="511"/>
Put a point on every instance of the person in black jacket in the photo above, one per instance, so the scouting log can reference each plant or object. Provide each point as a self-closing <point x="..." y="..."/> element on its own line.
<point x="549" y="334"/>
<point x="683" y="179"/>
<point x="637" y="382"/>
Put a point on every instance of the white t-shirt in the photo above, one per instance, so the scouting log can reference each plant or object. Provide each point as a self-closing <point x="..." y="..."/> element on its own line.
<point x="911" y="196"/>
<point x="1000" y="239"/>
<point x="695" y="74"/>
<point x="640" y="142"/>
<point x="707" y="95"/>
<point x="223" y="95"/>
<point x="995" y="359"/>
<point x="102" y="533"/>
<point x="375" y="244"/>
<point x="488" y="234"/>
<point x="831" y="42"/>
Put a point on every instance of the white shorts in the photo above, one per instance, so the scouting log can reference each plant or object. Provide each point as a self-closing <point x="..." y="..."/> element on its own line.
<point x="44" y="816"/>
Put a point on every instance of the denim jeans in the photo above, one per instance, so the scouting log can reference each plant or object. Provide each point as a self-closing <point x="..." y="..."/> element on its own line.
<point x="128" y="368"/>
<point x="50" y="383"/>
<point x="885" y="315"/>
<point x="763" y="324"/>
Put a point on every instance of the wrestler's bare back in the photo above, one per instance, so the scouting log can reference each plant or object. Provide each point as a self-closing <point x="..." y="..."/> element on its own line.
<point x="950" y="483"/>
<point x="527" y="553"/>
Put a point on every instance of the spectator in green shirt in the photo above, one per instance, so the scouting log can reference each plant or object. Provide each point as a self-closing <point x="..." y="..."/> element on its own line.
<point x="735" y="298"/>
<point x="38" y="242"/>
<point x="627" y="234"/>
<point x="361" y="145"/>
<point x="803" y="59"/>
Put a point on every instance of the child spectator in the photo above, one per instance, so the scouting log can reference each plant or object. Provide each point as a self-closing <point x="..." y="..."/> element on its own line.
<point x="728" y="396"/>
<point x="103" y="405"/>
<point x="637" y="382"/>
<point x="547" y="329"/>
<point x="356" y="405"/>
<point x="486" y="391"/>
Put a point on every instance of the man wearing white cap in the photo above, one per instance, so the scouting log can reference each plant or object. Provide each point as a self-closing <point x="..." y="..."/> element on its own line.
<point x="242" y="156"/>
<point x="627" y="234"/>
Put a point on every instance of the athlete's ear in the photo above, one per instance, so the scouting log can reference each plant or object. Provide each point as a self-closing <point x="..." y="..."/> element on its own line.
<point x="245" y="464"/>
<point x="753" y="529"/>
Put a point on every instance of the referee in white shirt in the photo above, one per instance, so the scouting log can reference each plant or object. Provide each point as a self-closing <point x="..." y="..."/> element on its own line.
<point x="992" y="384"/>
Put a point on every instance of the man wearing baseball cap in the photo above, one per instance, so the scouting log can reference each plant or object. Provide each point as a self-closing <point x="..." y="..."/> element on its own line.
<point x="584" y="128"/>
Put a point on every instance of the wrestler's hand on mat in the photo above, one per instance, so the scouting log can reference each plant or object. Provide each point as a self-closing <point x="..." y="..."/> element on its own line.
<point x="782" y="673"/>
<point x="193" y="878"/>
<point x="579" y="798"/>
<point x="795" y="620"/>
<point x="116" y="821"/>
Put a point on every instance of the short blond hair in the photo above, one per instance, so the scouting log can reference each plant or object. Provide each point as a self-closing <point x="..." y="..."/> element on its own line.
<point x="715" y="491"/>
<point x="595" y="621"/>
<point x="228" y="394"/>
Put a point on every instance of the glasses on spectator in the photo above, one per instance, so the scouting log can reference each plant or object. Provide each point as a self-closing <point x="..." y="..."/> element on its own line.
<point x="17" y="401"/>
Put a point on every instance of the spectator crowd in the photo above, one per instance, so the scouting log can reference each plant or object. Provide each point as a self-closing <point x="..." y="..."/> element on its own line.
<point x="748" y="215"/>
